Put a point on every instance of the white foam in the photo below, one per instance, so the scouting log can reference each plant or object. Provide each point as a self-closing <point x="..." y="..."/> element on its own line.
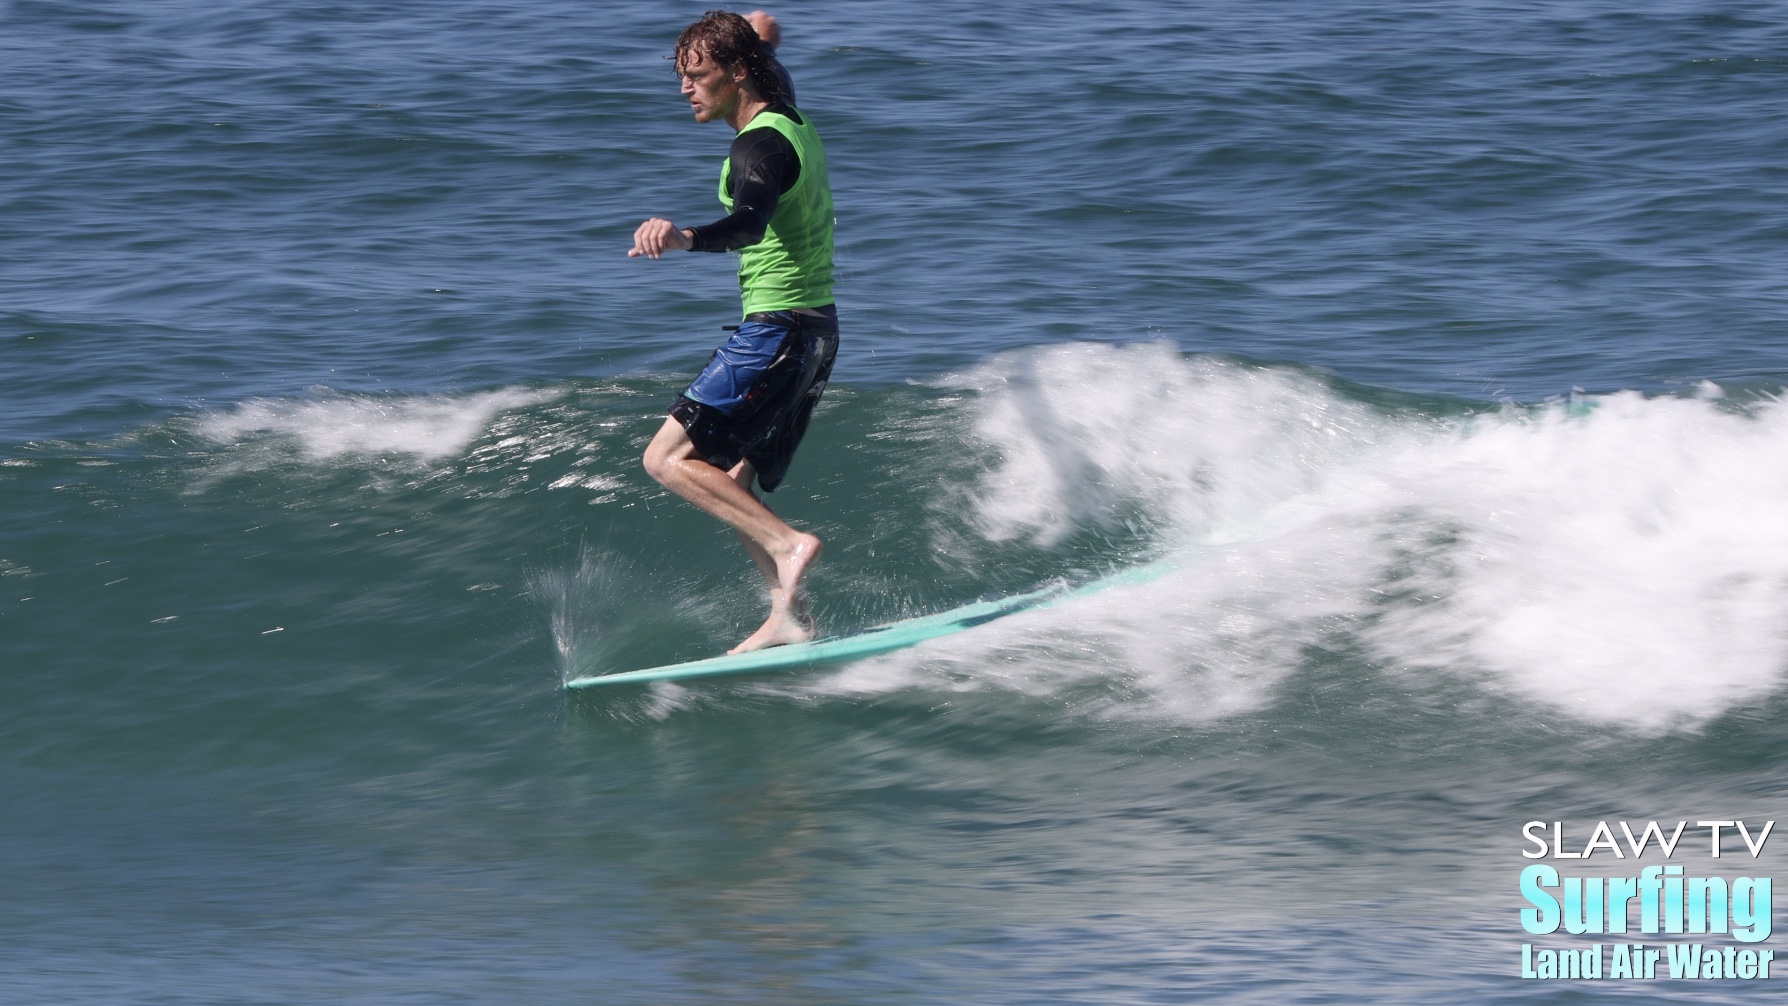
<point x="1628" y="566"/>
<point x="1210" y="640"/>
<point x="1622" y="559"/>
<point x="427" y="427"/>
<point x="1082" y="430"/>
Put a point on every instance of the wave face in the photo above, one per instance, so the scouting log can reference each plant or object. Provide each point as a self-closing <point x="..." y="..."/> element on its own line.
<point x="1610" y="559"/>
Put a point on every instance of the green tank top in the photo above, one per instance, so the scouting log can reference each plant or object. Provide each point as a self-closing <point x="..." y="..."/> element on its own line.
<point x="792" y="266"/>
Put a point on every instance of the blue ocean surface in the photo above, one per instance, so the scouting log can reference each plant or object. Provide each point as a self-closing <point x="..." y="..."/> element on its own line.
<point x="1441" y="347"/>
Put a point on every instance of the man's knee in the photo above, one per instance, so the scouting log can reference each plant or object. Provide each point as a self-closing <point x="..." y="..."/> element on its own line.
<point x="654" y="463"/>
<point x="663" y="465"/>
<point x="665" y="450"/>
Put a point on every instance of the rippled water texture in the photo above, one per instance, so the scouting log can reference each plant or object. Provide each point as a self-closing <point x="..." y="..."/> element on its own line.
<point x="1438" y="347"/>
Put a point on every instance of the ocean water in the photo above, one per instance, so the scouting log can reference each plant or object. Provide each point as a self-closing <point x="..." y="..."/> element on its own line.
<point x="1441" y="347"/>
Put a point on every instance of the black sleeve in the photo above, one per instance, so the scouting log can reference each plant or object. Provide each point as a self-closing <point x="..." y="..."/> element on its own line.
<point x="765" y="166"/>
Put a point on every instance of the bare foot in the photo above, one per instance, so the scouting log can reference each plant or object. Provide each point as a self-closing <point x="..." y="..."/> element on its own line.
<point x="791" y="620"/>
<point x="782" y="628"/>
<point x="803" y="613"/>
<point x="792" y="567"/>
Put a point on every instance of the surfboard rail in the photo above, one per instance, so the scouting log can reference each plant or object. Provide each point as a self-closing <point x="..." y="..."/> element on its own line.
<point x="874" y="641"/>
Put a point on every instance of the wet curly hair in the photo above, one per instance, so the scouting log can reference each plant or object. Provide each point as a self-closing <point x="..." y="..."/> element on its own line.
<point x="729" y="40"/>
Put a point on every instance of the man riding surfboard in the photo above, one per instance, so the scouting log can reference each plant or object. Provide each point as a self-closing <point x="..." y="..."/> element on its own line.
<point x="741" y="419"/>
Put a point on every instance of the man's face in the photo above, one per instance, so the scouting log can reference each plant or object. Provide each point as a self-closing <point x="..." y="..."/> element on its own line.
<point x="712" y="92"/>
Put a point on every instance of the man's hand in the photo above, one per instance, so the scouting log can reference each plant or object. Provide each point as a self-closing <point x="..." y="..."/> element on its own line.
<point x="765" y="25"/>
<point x="657" y="236"/>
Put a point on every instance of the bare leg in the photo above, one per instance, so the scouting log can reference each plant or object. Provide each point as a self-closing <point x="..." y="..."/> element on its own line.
<point x="782" y="553"/>
<point x="797" y="608"/>
<point x="745" y="475"/>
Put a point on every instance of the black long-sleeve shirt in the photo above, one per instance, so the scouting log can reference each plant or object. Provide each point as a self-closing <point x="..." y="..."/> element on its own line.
<point x="765" y="166"/>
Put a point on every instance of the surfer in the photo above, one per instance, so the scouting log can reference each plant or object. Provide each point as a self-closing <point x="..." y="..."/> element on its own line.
<point x="741" y="419"/>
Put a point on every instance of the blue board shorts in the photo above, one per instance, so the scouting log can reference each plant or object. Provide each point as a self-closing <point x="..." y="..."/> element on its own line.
<point x="753" y="400"/>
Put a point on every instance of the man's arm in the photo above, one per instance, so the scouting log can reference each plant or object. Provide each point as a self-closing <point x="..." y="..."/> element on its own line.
<point x="767" y="29"/>
<point x="765" y="166"/>
<point x="764" y="23"/>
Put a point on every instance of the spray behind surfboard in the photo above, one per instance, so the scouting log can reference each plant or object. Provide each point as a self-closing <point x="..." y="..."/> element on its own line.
<point x="1620" y="559"/>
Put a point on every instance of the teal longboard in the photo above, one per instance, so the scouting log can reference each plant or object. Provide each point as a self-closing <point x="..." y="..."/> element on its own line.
<point x="870" y="642"/>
